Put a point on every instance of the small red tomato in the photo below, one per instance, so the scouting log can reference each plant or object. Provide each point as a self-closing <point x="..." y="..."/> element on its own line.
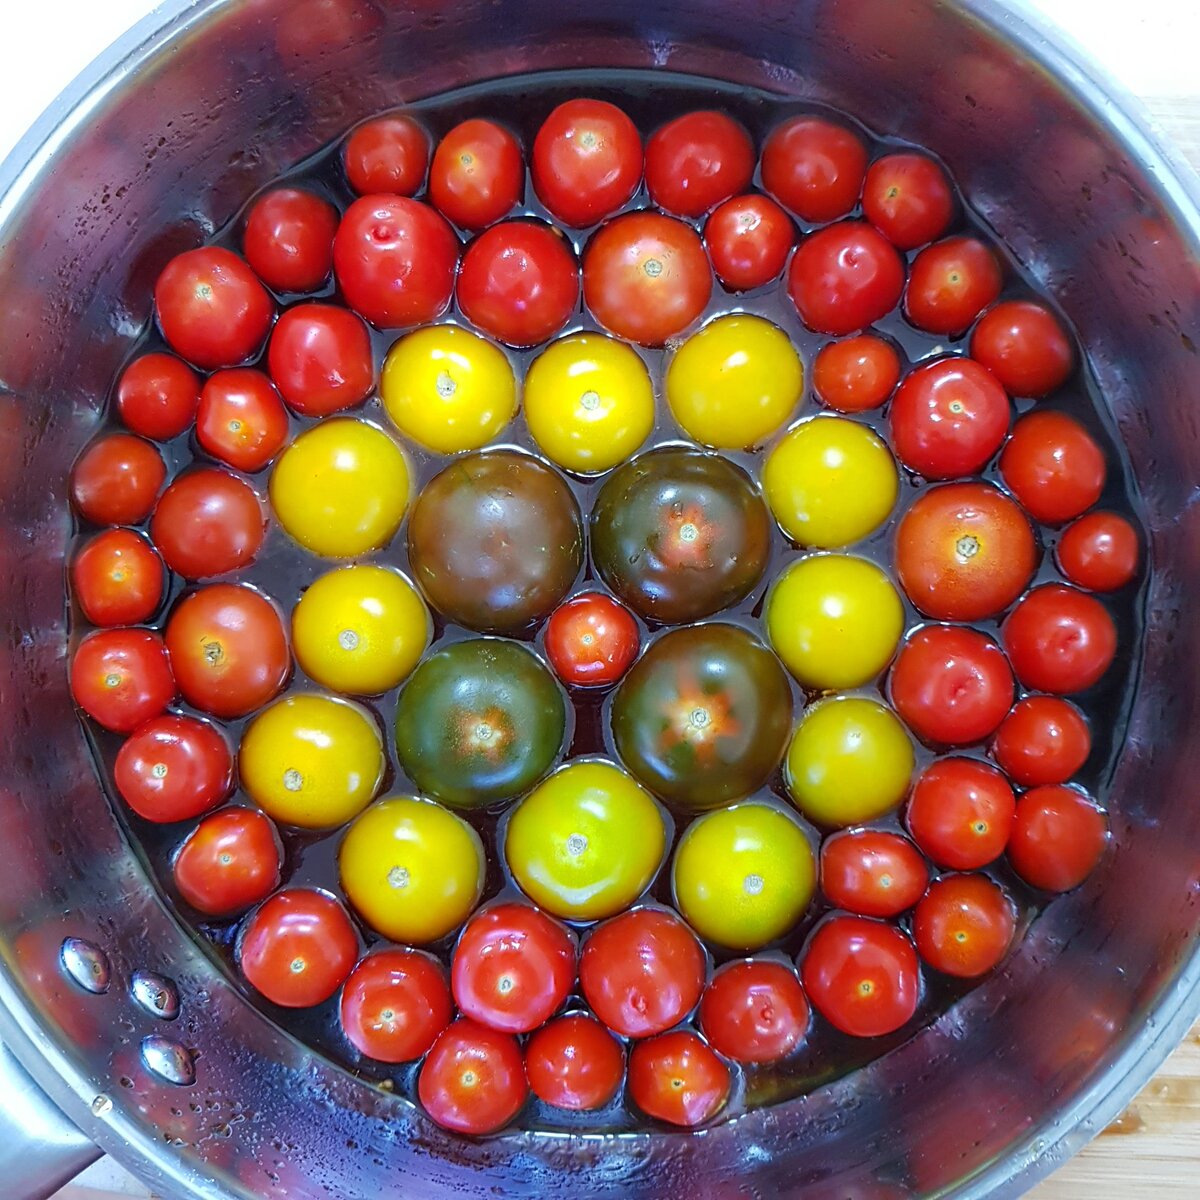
<point x="1099" y="552"/>
<point x="950" y="283"/>
<point x="1059" y="639"/>
<point x="231" y="861"/>
<point x="814" y="167"/>
<point x="117" y="479"/>
<point x="844" y="278"/>
<point x="477" y="175"/>
<point x="754" y="1011"/>
<point x="1058" y="838"/>
<point x="320" y="359"/>
<point x="388" y="154"/>
<point x="208" y="522"/>
<point x="118" y="578"/>
<point x="574" y="1063"/>
<point x="157" y="396"/>
<point x="587" y="161"/>
<point x="395" y="260"/>
<point x="748" y="240"/>
<point x="473" y="1079"/>
<point x="212" y="308"/>
<point x="395" y="1004"/>
<point x="1025" y="346"/>
<point x="862" y="976"/>
<point x="519" y="281"/>
<point x="288" y="239"/>
<point x="1053" y="466"/>
<point x="1043" y="740"/>
<point x="964" y="925"/>
<point x="591" y="640"/>
<point x="122" y="677"/>
<point x="678" y="1079"/>
<point x="856" y="375"/>
<point x="696" y="161"/>
<point x="241" y="421"/>
<point x="173" y="768"/>
<point x="961" y="813"/>
<point x="908" y="198"/>
<point x="298" y="948"/>
<point x="872" y="872"/>
<point x="642" y="972"/>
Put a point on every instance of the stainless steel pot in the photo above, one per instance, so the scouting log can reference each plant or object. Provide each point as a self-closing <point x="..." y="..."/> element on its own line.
<point x="159" y="143"/>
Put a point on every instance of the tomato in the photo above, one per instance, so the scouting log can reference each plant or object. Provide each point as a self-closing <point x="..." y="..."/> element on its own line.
<point x="288" y="239"/>
<point x="844" y="278"/>
<point x="173" y="768"/>
<point x="950" y="283"/>
<point x="412" y="869"/>
<point x="1043" y="740"/>
<point x="1059" y="837"/>
<point x="387" y="154"/>
<point x="477" y="175"/>
<point x="835" y="620"/>
<point x="862" y="976"/>
<point x="961" y="813"/>
<point x="696" y="161"/>
<point x="241" y="420"/>
<point x="587" y="161"/>
<point x="814" y="167"/>
<point x="964" y="925"/>
<point x="298" y="948"/>
<point x="208" y="522"/>
<point x="212" y="308"/>
<point x="754" y="1011"/>
<point x="117" y="578"/>
<point x="574" y="1063"/>
<point x="678" y="534"/>
<point x="734" y="382"/>
<point x="1053" y="466"/>
<point x="586" y="843"/>
<point x="908" y="198"/>
<point x="951" y="686"/>
<point x="519" y="282"/>
<point x="320" y="359"/>
<point x="749" y="239"/>
<point x="231" y="861"/>
<point x="1025" y="346"/>
<point x="872" y="872"/>
<point x="513" y="967"/>
<point x="228" y="649"/>
<point x="676" y="1078"/>
<point x="473" y="1079"/>
<point x="856" y="375"/>
<point x="964" y="551"/>
<point x="394" y="259"/>
<point x="157" y="396"/>
<point x="395" y="1004"/>
<point x="591" y="640"/>
<point x="122" y="677"/>
<point x="743" y="876"/>
<point x="1060" y="640"/>
<point x="1099" y="552"/>
<point x="646" y="277"/>
<point x="117" y="479"/>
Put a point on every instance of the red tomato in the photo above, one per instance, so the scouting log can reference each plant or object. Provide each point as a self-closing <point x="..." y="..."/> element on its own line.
<point x="1053" y="466"/>
<point x="872" y="872"/>
<point x="1059" y="837"/>
<point x="748" y="240"/>
<point x="814" y="167"/>
<point x="862" y="976"/>
<point x="754" y="1011"/>
<point x="157" y="396"/>
<point x="298" y="948"/>
<point x="231" y="861"/>
<point x="1025" y="346"/>
<point x="908" y="198"/>
<point x="388" y="154"/>
<point x="320" y="359"/>
<point x="477" y="175"/>
<point x="1060" y="640"/>
<point x="961" y="813"/>
<point x="696" y="161"/>
<point x="288" y="239"/>
<point x="121" y="677"/>
<point x="1043" y="740"/>
<point x="241" y="421"/>
<point x="964" y="925"/>
<point x="394" y="259"/>
<point x="473" y="1080"/>
<point x="212" y="308"/>
<point x="208" y="522"/>
<point x="591" y="640"/>
<point x="676" y="1078"/>
<point x="117" y="479"/>
<point x="519" y="282"/>
<point x="642" y="972"/>
<point x="228" y="649"/>
<point x="395" y="1004"/>
<point x="587" y="161"/>
<point x="844" y="278"/>
<point x="173" y="768"/>
<point x="646" y="277"/>
<point x="950" y="283"/>
<point x="948" y="418"/>
<point x="1099" y="552"/>
<point x="855" y="375"/>
<point x="574" y="1063"/>
<point x="118" y="578"/>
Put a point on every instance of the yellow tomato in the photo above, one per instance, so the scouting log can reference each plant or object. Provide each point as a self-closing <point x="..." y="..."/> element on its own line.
<point x="589" y="402"/>
<point x="341" y="488"/>
<point x="850" y="761"/>
<point x="735" y="382"/>
<point x="585" y="843"/>
<point x="830" y="482"/>
<point x="835" y="620"/>
<point x="311" y="760"/>
<point x="360" y="629"/>
<point x="448" y="389"/>
<point x="412" y="869"/>
<point x="743" y="876"/>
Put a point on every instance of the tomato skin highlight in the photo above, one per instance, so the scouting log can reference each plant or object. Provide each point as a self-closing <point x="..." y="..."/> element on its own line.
<point x="473" y="1079"/>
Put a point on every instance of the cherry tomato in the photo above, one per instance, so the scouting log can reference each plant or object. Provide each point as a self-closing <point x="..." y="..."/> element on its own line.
<point x="157" y="396"/>
<point x="814" y="167"/>
<point x="1099" y="552"/>
<point x="208" y="522"/>
<point x="950" y="283"/>
<point x="388" y="154"/>
<point x="117" y="479"/>
<point x="288" y="239"/>
<point x="696" y="161"/>
<point x="173" y="768"/>
<point x="676" y="1078"/>
<point x="591" y="640"/>
<point x="856" y="375"/>
<point x="477" y="175"/>
<point x="1043" y="740"/>
<point x="908" y="198"/>
<point x="964" y="925"/>
<point x="122" y="677"/>
<point x="1025" y="346"/>
<point x="748" y="240"/>
<point x="117" y="578"/>
<point x="754" y="1011"/>
<point x="241" y="420"/>
<point x="473" y="1079"/>
<point x="1053" y="466"/>
<point x="574" y="1063"/>
<point x="961" y="813"/>
<point x="1058" y="838"/>
<point x="231" y="861"/>
<point x="646" y="277"/>
<point x="1060" y="640"/>
<point x="872" y="873"/>
<point x="320" y="359"/>
<point x="395" y="1004"/>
